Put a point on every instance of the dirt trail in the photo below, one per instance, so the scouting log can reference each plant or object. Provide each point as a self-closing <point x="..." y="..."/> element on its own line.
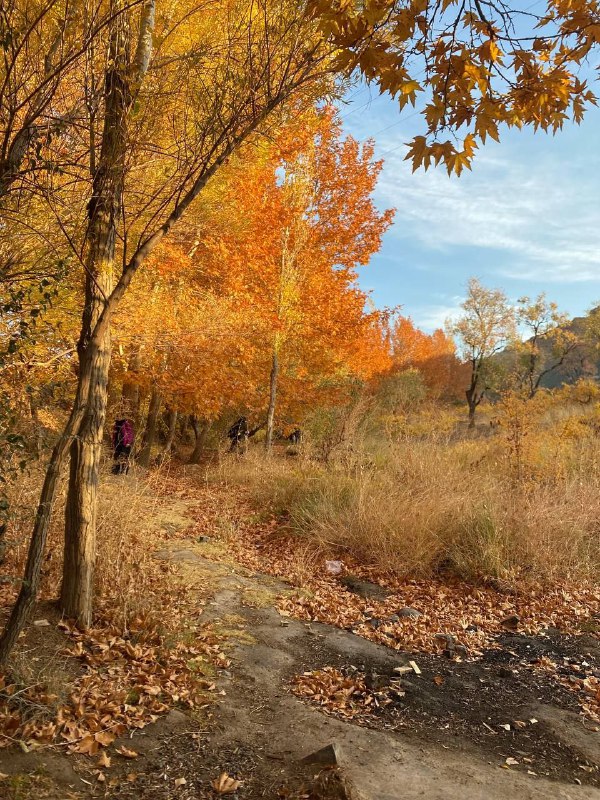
<point x="435" y="744"/>
<point x="446" y="736"/>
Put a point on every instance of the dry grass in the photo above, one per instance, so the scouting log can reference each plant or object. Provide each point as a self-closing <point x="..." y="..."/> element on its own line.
<point x="433" y="504"/>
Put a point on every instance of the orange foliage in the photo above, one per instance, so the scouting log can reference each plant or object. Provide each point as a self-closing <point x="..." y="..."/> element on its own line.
<point x="434" y="355"/>
<point x="270" y="267"/>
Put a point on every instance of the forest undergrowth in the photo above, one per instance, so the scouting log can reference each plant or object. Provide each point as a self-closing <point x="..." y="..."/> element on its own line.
<point x="79" y="691"/>
<point x="435" y="525"/>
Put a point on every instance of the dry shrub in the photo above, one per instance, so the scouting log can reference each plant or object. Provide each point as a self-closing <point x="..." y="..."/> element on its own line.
<point x="426" y="505"/>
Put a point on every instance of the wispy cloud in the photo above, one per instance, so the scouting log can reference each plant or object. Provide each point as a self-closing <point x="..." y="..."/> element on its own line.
<point x="431" y="317"/>
<point x="526" y="217"/>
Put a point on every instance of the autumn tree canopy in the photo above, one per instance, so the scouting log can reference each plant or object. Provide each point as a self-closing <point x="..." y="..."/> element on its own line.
<point x="116" y="117"/>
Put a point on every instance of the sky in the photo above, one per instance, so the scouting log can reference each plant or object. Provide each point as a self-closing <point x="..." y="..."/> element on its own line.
<point x="526" y="219"/>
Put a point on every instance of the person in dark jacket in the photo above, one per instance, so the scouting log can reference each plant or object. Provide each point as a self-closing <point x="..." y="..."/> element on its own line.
<point x="122" y="440"/>
<point x="238" y="434"/>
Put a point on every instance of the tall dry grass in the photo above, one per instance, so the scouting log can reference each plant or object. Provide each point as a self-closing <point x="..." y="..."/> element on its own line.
<point x="127" y="577"/>
<point x="502" y="505"/>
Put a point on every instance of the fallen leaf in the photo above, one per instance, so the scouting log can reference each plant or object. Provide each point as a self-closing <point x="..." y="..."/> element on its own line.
<point x="438" y="680"/>
<point x="103" y="760"/>
<point x="512" y="762"/>
<point x="88" y="746"/>
<point x="104" y="737"/>
<point x="123" y="751"/>
<point x="180" y="781"/>
<point x="225" y="784"/>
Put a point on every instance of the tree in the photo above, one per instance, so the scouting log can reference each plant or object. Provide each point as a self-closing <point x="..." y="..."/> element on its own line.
<point x="307" y="222"/>
<point x="220" y="73"/>
<point x="280" y="56"/>
<point x="485" y="327"/>
<point x="478" y="65"/>
<point x="433" y="355"/>
<point x="548" y="344"/>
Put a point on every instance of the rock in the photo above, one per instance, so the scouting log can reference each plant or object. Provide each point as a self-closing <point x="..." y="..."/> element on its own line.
<point x="394" y="618"/>
<point x="203" y="539"/>
<point x="177" y="556"/>
<point x="461" y="650"/>
<point x="411" y="613"/>
<point x="472" y="628"/>
<point x="373" y="622"/>
<point x="41" y="623"/>
<point x="504" y="672"/>
<point x="445" y="639"/>
<point x="327" y="756"/>
<point x="511" y="622"/>
<point x="375" y="682"/>
<point x="370" y="591"/>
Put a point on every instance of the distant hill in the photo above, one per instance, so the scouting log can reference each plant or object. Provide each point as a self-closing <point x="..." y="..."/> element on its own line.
<point x="583" y="362"/>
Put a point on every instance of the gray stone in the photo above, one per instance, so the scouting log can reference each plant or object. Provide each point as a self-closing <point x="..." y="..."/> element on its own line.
<point x="370" y="591"/>
<point x="327" y="756"/>
<point x="411" y="613"/>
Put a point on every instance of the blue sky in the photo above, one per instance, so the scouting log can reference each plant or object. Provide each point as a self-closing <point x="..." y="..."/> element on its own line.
<point x="526" y="219"/>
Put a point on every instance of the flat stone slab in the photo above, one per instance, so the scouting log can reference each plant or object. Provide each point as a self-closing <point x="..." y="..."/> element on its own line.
<point x="178" y="556"/>
<point x="370" y="591"/>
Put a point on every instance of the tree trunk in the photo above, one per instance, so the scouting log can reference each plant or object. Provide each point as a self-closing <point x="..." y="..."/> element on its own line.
<point x="272" y="400"/>
<point x="150" y="430"/>
<point x="31" y="578"/>
<point x="201" y="430"/>
<point x="171" y="431"/>
<point x="104" y="210"/>
<point x="472" y="408"/>
<point x="80" y="512"/>
<point x="130" y="394"/>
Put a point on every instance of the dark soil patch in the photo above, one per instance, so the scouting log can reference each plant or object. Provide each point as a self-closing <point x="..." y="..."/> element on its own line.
<point x="467" y="706"/>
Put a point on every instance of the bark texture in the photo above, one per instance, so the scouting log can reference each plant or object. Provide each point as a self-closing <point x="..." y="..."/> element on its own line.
<point x="150" y="430"/>
<point x="201" y="430"/>
<point x="272" y="399"/>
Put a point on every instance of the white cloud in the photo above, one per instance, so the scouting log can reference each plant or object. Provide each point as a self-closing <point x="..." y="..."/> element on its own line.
<point x="431" y="317"/>
<point x="532" y="219"/>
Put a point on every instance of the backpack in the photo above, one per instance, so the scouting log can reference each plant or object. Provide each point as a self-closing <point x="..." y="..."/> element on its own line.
<point x="127" y="433"/>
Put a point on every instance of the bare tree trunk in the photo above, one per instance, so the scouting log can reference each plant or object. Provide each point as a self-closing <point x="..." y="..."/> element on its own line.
<point x="201" y="430"/>
<point x="31" y="578"/>
<point x="80" y="512"/>
<point x="472" y="408"/>
<point x="272" y="399"/>
<point x="130" y="393"/>
<point x="171" y="431"/>
<point x="150" y="430"/>
<point x="104" y="211"/>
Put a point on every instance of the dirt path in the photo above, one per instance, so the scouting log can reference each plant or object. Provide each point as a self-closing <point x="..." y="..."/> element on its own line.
<point x="459" y="729"/>
<point x="437" y="741"/>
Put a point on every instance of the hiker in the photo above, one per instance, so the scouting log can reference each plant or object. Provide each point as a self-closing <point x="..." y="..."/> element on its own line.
<point x="295" y="436"/>
<point x="122" y="445"/>
<point x="238" y="434"/>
